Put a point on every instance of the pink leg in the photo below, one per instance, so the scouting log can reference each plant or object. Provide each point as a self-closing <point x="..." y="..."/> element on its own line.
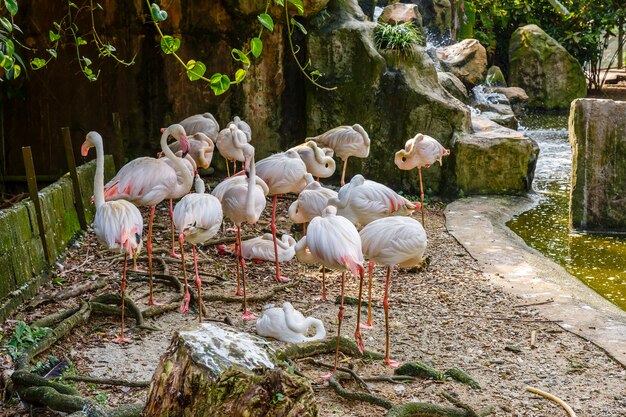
<point x="238" y="258"/>
<point x="357" y="333"/>
<point x="369" y="324"/>
<point x="198" y="283"/>
<point x="246" y="315"/>
<point x="184" y="306"/>
<point x="324" y="284"/>
<point x="149" y="246"/>
<point x="234" y="167"/>
<point x="279" y="278"/>
<point x="392" y="363"/>
<point x="340" y="318"/>
<point x="122" y="339"/>
<point x="419" y="170"/>
<point x="174" y="254"/>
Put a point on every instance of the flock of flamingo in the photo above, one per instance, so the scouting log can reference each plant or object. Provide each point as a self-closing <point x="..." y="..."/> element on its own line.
<point x="388" y="236"/>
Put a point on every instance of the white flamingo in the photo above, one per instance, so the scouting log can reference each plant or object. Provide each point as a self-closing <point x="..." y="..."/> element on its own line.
<point x="147" y="181"/>
<point x="230" y="142"/>
<point x="319" y="161"/>
<point x="362" y="201"/>
<point x="204" y="123"/>
<point x="244" y="202"/>
<point x="201" y="149"/>
<point x="334" y="242"/>
<point x="392" y="241"/>
<point x="420" y="151"/>
<point x="261" y="248"/>
<point x="283" y="173"/>
<point x="198" y="217"/>
<point x="288" y="325"/>
<point x="311" y="201"/>
<point x="346" y="141"/>
<point x="117" y="224"/>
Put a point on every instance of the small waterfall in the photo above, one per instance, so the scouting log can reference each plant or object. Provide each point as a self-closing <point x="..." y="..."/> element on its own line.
<point x="377" y="12"/>
<point x="431" y="50"/>
<point x="481" y="96"/>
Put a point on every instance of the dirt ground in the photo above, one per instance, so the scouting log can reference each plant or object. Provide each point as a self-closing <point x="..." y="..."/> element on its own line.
<point x="447" y="315"/>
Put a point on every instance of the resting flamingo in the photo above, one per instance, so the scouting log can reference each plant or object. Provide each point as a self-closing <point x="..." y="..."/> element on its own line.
<point x="261" y="248"/>
<point x="204" y="123"/>
<point x="392" y="241"/>
<point x="311" y="201"/>
<point x="362" y="201"/>
<point x="319" y="161"/>
<point x="420" y="151"/>
<point x="198" y="217"/>
<point x="117" y="224"/>
<point x="147" y="181"/>
<point x="346" y="141"/>
<point x="334" y="242"/>
<point x="230" y="142"/>
<point x="201" y="149"/>
<point x="283" y="173"/>
<point x="288" y="325"/>
<point x="244" y="202"/>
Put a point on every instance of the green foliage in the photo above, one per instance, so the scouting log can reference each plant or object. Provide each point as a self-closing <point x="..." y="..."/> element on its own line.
<point x="24" y="337"/>
<point x="10" y="62"/>
<point x="399" y="38"/>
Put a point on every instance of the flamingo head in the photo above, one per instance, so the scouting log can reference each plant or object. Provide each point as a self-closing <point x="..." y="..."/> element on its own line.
<point x="405" y="160"/>
<point x="90" y="141"/>
<point x="178" y="132"/>
<point x="248" y="154"/>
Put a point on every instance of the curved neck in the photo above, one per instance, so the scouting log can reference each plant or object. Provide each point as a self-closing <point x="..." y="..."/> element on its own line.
<point x="250" y="214"/>
<point x="98" y="179"/>
<point x="187" y="177"/>
<point x="302" y="252"/>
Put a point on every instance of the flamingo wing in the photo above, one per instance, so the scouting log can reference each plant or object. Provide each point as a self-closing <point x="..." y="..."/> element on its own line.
<point x="119" y="225"/>
<point x="394" y="240"/>
<point x="143" y="181"/>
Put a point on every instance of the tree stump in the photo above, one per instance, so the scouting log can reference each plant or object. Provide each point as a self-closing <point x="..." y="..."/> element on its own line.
<point x="210" y="370"/>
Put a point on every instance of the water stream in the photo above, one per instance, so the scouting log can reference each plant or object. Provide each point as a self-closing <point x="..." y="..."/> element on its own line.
<point x="598" y="261"/>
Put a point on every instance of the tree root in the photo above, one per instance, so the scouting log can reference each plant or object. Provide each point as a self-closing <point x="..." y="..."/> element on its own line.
<point x="49" y="320"/>
<point x="172" y="305"/>
<point x="421" y="370"/>
<point x="51" y="398"/>
<point x="460" y="376"/>
<point x="254" y="299"/>
<point x="108" y="381"/>
<point x="348" y="371"/>
<point x="335" y="384"/>
<point x="71" y="292"/>
<point x="166" y="279"/>
<point x="25" y="379"/>
<point x="102" y="304"/>
<point x="394" y="379"/>
<point x="551" y="397"/>
<point x="415" y="409"/>
<point x="304" y="350"/>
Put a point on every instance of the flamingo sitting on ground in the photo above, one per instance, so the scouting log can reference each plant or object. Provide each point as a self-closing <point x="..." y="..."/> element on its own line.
<point x="261" y="248"/>
<point x="244" y="202"/>
<point x="117" y="224"/>
<point x="420" y="151"/>
<point x="334" y="242"/>
<point x="362" y="201"/>
<point x="283" y="173"/>
<point x="204" y="123"/>
<point x="311" y="201"/>
<point x="319" y="161"/>
<point x="201" y="149"/>
<point x="198" y="217"/>
<point x="346" y="141"/>
<point x="288" y="325"/>
<point x="393" y="241"/>
<point x="147" y="181"/>
<point x="230" y="142"/>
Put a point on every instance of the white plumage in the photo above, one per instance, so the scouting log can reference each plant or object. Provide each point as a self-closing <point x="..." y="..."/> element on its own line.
<point x="420" y="151"/>
<point x="319" y="161"/>
<point x="283" y="172"/>
<point x="230" y="143"/>
<point x="262" y="248"/>
<point x="198" y="216"/>
<point x="201" y="149"/>
<point x="311" y="201"/>
<point x="289" y="325"/>
<point x="204" y="123"/>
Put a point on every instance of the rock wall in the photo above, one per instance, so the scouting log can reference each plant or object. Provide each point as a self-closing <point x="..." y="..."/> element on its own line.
<point x="597" y="133"/>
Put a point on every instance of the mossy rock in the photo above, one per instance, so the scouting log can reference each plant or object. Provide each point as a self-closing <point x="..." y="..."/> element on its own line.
<point x="494" y="77"/>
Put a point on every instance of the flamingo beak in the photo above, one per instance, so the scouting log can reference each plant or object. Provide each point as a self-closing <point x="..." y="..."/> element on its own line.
<point x="446" y="152"/>
<point x="184" y="145"/>
<point x="84" y="149"/>
<point x="162" y="129"/>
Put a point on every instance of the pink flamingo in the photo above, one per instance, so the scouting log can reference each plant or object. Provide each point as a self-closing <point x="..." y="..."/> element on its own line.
<point x="230" y="142"/>
<point x="346" y="141"/>
<point x="117" y="224"/>
<point x="198" y="217"/>
<point x="201" y="149"/>
<point x="283" y="173"/>
<point x="147" y="181"/>
<point x="420" y="151"/>
<point x="319" y="161"/>
<point x="243" y="201"/>
<point x="334" y="242"/>
<point x="392" y="241"/>
<point x="204" y="123"/>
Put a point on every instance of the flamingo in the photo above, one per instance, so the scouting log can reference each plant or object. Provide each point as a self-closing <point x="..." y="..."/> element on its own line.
<point x="198" y="217"/>
<point x="420" y="151"/>
<point x="334" y="242"/>
<point x="346" y="141"/>
<point x="288" y="325"/>
<point x="147" y="181"/>
<point x="201" y="149"/>
<point x="319" y="161"/>
<point x="283" y="173"/>
<point x="362" y="201"/>
<point x="311" y="201"/>
<point x="244" y="202"/>
<point x="261" y="248"/>
<point x="230" y="142"/>
<point x="393" y="241"/>
<point x="204" y="123"/>
<point x="117" y="224"/>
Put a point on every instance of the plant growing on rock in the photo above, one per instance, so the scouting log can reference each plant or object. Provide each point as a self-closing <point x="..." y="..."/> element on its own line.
<point x="400" y="38"/>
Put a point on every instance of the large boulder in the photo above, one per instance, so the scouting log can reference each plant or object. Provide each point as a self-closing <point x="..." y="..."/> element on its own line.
<point x="494" y="77"/>
<point x="597" y="133"/>
<point x="393" y="96"/>
<point x="551" y="77"/>
<point x="398" y="13"/>
<point x="494" y="160"/>
<point x="466" y="59"/>
<point x="453" y="85"/>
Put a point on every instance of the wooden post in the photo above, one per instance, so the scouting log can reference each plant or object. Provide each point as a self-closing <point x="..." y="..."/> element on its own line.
<point x="620" y="43"/>
<point x="118" y="153"/>
<point x="71" y="164"/>
<point x="34" y="195"/>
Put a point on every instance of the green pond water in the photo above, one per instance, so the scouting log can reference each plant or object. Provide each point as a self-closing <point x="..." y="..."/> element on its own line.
<point x="599" y="261"/>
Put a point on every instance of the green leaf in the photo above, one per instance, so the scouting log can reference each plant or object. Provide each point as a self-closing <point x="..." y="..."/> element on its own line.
<point x="37" y="63"/>
<point x="279" y="2"/>
<point x="298" y="4"/>
<point x="240" y="56"/>
<point x="7" y="25"/>
<point x="298" y="25"/>
<point x="220" y="83"/>
<point x="170" y="44"/>
<point x="256" y="46"/>
<point x="52" y="52"/>
<point x="87" y="61"/>
<point x="11" y="6"/>
<point x="195" y="69"/>
<point x="54" y="36"/>
<point x="73" y="5"/>
<point x="158" y="15"/>
<point x="17" y="70"/>
<point x="240" y="75"/>
<point x="266" y="21"/>
<point x="10" y="47"/>
<point x="80" y="41"/>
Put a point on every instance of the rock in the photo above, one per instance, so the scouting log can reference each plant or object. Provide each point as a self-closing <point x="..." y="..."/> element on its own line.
<point x="371" y="84"/>
<point x="597" y="133"/>
<point x="494" y="106"/>
<point x="398" y="13"/>
<point x="453" y="86"/>
<point x="494" y="77"/>
<point x="436" y="19"/>
<point x="466" y="59"/>
<point x="517" y="97"/>
<point x="494" y="160"/>
<point x="368" y="7"/>
<point x="213" y="371"/>
<point x="551" y="77"/>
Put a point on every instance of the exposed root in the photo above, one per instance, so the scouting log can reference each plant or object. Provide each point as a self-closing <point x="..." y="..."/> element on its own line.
<point x="71" y="292"/>
<point x="51" y="319"/>
<point x="108" y="381"/>
<point x="256" y="298"/>
<point x="348" y="371"/>
<point x="166" y="279"/>
<point x="551" y="397"/>
<point x="394" y="379"/>
<point x="460" y="376"/>
<point x="334" y="383"/>
<point x="304" y="350"/>
<point x="418" y="409"/>
<point x="102" y="304"/>
<point x="25" y="379"/>
<point x="421" y="370"/>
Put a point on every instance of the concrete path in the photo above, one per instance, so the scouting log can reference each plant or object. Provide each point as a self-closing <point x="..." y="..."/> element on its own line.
<point x="479" y="224"/>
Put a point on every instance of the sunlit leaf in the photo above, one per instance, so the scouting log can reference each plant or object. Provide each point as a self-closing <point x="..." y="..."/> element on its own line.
<point x="298" y="25"/>
<point x="52" y="52"/>
<point x="158" y="15"/>
<point x="6" y="24"/>
<point x="37" y="63"/>
<point x="10" y="47"/>
<point x="266" y="21"/>
<point x="195" y="69"/>
<point x="170" y="44"/>
<point x="11" y="6"/>
<point x="279" y="2"/>
<point x="240" y="75"/>
<point x="220" y="83"/>
<point x="298" y="4"/>
<point x="17" y="70"/>
<point x="256" y="46"/>
<point x="54" y="36"/>
<point x="87" y="61"/>
<point x="80" y="41"/>
<point x="240" y="56"/>
<point x="72" y="5"/>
